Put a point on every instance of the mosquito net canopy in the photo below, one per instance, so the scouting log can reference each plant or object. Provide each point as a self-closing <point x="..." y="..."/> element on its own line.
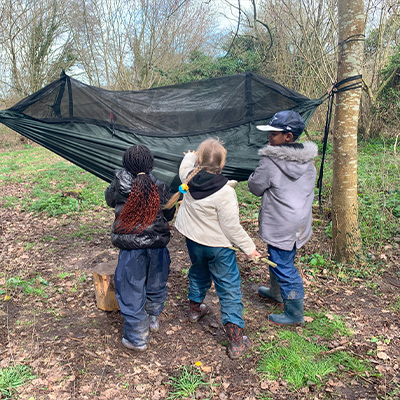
<point x="92" y="126"/>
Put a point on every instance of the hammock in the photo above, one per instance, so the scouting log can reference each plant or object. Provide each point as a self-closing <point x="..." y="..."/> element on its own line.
<point x="92" y="127"/>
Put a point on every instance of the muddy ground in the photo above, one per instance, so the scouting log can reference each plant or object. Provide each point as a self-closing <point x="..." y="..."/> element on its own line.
<point x="75" y="350"/>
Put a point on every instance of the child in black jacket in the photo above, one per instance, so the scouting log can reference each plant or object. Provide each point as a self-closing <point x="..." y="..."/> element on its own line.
<point x="141" y="232"/>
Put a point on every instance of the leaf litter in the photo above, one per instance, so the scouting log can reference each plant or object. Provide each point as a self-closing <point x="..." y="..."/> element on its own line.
<point x="75" y="350"/>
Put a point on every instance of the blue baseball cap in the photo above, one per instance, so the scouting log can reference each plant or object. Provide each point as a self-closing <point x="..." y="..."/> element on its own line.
<point x="285" y="121"/>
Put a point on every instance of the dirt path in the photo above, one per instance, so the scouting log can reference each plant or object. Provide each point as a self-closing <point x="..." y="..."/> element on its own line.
<point x="75" y="349"/>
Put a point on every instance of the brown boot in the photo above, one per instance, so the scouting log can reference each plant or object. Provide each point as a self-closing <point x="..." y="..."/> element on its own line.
<point x="238" y="343"/>
<point x="196" y="311"/>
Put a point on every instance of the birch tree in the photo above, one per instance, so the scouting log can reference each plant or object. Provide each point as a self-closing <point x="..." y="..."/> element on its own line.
<point x="345" y="230"/>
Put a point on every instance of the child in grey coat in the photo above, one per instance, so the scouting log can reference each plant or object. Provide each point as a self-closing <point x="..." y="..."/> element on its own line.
<point x="285" y="179"/>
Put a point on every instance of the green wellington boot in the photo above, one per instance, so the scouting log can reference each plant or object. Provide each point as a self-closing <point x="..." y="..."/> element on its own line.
<point x="292" y="314"/>
<point x="273" y="292"/>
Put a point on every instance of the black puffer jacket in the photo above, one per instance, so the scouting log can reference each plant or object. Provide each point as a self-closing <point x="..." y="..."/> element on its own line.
<point x="158" y="233"/>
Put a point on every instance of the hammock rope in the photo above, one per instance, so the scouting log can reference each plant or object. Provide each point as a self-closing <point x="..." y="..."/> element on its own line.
<point x="335" y="88"/>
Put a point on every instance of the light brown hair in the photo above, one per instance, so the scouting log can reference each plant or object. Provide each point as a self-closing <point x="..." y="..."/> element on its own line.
<point x="211" y="157"/>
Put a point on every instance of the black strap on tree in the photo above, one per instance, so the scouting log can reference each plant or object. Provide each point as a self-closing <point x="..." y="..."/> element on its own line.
<point x="336" y="88"/>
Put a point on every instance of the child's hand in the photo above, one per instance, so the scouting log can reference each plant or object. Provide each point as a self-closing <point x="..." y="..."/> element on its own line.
<point x="254" y="255"/>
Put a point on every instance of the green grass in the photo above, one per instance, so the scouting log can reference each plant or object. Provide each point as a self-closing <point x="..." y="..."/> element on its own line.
<point x="51" y="204"/>
<point x="378" y="191"/>
<point x="326" y="325"/>
<point x="186" y="383"/>
<point x="295" y="360"/>
<point x="35" y="286"/>
<point x="300" y="359"/>
<point x="53" y="186"/>
<point x="13" y="377"/>
<point x="63" y="275"/>
<point x="248" y="203"/>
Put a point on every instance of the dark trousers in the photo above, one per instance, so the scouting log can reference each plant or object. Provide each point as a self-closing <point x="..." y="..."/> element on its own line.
<point x="287" y="275"/>
<point x="141" y="289"/>
<point x="216" y="264"/>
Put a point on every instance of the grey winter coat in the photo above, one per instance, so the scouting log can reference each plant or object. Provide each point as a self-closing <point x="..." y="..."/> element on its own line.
<point x="285" y="178"/>
<point x="158" y="233"/>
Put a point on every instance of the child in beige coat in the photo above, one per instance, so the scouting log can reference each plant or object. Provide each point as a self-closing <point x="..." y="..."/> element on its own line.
<point x="209" y="219"/>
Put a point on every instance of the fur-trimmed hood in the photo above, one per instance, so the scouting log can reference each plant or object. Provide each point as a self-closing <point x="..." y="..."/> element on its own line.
<point x="300" y="152"/>
<point x="292" y="159"/>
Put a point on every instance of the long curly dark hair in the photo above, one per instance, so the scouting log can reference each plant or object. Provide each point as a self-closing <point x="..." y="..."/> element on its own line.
<point x="141" y="208"/>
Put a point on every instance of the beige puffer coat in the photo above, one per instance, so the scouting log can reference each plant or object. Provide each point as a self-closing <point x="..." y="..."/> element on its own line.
<point x="214" y="220"/>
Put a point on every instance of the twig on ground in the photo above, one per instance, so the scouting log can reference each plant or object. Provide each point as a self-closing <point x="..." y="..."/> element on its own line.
<point x="339" y="348"/>
<point x="365" y="379"/>
<point x="70" y="337"/>
<point x="394" y="284"/>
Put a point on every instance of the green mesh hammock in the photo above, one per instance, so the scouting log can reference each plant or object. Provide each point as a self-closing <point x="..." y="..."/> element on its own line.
<point x="92" y="127"/>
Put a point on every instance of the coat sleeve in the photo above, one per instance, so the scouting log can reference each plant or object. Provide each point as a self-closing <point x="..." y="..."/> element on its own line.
<point x="188" y="164"/>
<point x="228" y="215"/>
<point x="110" y="194"/>
<point x="119" y="189"/>
<point x="260" y="180"/>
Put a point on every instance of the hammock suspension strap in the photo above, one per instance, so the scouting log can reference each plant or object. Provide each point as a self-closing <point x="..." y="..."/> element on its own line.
<point x="335" y="88"/>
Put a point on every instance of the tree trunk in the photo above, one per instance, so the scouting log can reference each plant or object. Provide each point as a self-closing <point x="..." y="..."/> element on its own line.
<point x="345" y="230"/>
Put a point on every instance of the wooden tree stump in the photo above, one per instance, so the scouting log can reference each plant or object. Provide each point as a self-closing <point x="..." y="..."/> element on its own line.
<point x="103" y="277"/>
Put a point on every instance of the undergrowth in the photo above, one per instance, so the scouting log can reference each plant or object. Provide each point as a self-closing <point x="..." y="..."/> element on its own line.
<point x="35" y="286"/>
<point x="378" y="192"/>
<point x="12" y="378"/>
<point x="187" y="382"/>
<point x="53" y="186"/>
<point x="304" y="358"/>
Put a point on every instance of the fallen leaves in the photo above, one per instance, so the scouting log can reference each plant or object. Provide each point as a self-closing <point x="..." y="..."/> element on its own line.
<point x="330" y="316"/>
<point x="206" y="369"/>
<point x="382" y="355"/>
<point x="88" y="361"/>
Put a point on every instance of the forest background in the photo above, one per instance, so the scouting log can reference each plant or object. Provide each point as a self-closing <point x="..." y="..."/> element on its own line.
<point x="135" y="45"/>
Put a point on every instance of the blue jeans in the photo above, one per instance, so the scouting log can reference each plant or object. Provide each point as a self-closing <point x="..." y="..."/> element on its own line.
<point x="141" y="289"/>
<point x="287" y="275"/>
<point x="216" y="264"/>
